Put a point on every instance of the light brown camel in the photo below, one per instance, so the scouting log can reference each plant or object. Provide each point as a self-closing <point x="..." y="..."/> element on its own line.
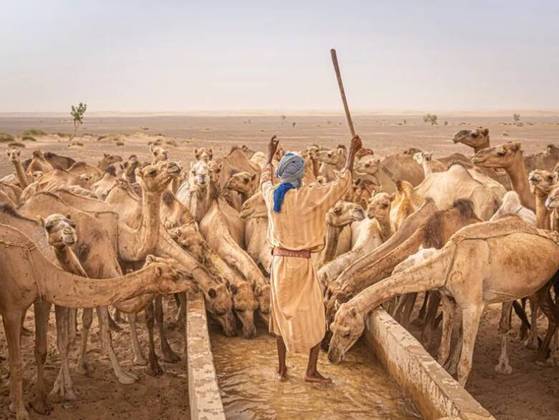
<point x="331" y="160"/>
<point x="400" y="166"/>
<point x="11" y="191"/>
<point x="158" y="154"/>
<point x="366" y="235"/>
<point x="343" y="214"/>
<point x="509" y="157"/>
<point x="38" y="163"/>
<point x="103" y="186"/>
<point x="428" y="164"/>
<point x="552" y="203"/>
<point x="405" y="202"/>
<point x="59" y="161"/>
<point x="14" y="156"/>
<point x="481" y="264"/>
<point x="255" y="215"/>
<point x="23" y="283"/>
<point x="511" y="205"/>
<point x="543" y="160"/>
<point x="108" y="159"/>
<point x="184" y="230"/>
<point x="477" y="138"/>
<point x="244" y="183"/>
<point x="205" y="154"/>
<point x="541" y="183"/>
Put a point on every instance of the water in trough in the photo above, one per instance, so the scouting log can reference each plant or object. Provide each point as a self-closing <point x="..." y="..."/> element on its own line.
<point x="246" y="371"/>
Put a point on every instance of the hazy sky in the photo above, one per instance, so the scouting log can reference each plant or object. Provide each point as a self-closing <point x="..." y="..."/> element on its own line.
<point x="125" y="55"/>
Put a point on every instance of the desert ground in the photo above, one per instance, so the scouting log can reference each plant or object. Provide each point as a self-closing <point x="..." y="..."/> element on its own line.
<point x="530" y="392"/>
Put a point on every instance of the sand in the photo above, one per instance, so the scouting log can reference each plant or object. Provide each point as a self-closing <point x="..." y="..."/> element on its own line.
<point x="530" y="392"/>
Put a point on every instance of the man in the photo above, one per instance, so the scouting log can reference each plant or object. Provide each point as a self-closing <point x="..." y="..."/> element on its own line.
<point x="296" y="228"/>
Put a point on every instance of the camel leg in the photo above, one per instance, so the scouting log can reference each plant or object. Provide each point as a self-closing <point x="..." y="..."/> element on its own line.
<point x="431" y="321"/>
<point x="139" y="358"/>
<point x="408" y="308"/>
<point x="12" y="327"/>
<point x="154" y="369"/>
<point x="449" y="311"/>
<point x="124" y="377"/>
<point x="63" y="386"/>
<point x="532" y="340"/>
<point x="117" y="317"/>
<point x="470" y="324"/>
<point x="504" y="330"/>
<point x="112" y="323"/>
<point x="87" y="319"/>
<point x="452" y="363"/>
<point x="180" y="322"/>
<point x="168" y="354"/>
<point x="72" y="323"/>
<point x="423" y="310"/>
<point x="42" y="311"/>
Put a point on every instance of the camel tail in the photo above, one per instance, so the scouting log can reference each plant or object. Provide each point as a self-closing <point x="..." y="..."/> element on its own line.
<point x="427" y="275"/>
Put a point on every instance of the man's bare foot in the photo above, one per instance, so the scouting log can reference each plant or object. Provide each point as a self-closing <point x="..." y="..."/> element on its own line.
<point x="282" y="374"/>
<point x="316" y="377"/>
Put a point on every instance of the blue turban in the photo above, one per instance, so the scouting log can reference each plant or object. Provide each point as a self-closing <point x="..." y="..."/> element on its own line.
<point x="290" y="172"/>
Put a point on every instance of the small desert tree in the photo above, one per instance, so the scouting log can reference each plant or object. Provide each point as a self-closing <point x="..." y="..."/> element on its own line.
<point x="430" y="118"/>
<point x="516" y="117"/>
<point x="77" y="114"/>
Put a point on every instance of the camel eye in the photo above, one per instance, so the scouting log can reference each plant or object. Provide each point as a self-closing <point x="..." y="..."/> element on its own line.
<point x="501" y="153"/>
<point x="346" y="334"/>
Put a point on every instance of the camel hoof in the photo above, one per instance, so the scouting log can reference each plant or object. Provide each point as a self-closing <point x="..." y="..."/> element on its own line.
<point x="170" y="356"/>
<point x="154" y="370"/>
<point x="503" y="369"/>
<point x="531" y="343"/>
<point x="127" y="378"/>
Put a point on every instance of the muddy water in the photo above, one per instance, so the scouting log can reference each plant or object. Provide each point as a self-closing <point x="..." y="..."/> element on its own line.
<point x="246" y="371"/>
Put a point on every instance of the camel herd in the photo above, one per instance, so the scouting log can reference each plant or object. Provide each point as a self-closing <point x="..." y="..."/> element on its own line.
<point x="465" y="231"/>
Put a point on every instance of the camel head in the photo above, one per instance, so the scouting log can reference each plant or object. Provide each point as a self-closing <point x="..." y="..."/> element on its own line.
<point x="220" y="305"/>
<point x="344" y="213"/>
<point x="60" y="230"/>
<point x="503" y="156"/>
<point x="14" y="154"/>
<point x="169" y="275"/>
<point x="199" y="174"/>
<point x="242" y="182"/>
<point x="552" y="150"/>
<point x="36" y="175"/>
<point x="279" y="153"/>
<point x="541" y="181"/>
<point x="346" y="329"/>
<point x="477" y="139"/>
<point x="379" y="206"/>
<point x="247" y="151"/>
<point x="335" y="156"/>
<point x="108" y="159"/>
<point x="556" y="172"/>
<point x="189" y="237"/>
<point x="263" y="294"/>
<point x="244" y="305"/>
<point x="421" y="157"/>
<point x="204" y="154"/>
<point x="158" y="153"/>
<point x="156" y="177"/>
<point x="367" y="168"/>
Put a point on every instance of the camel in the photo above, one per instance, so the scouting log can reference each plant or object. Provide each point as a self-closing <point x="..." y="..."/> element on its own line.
<point x="362" y="191"/>
<point x="183" y="229"/>
<point x="14" y="157"/>
<point x="158" y="154"/>
<point x="108" y="160"/>
<point x="509" y="157"/>
<point x="130" y="167"/>
<point x="255" y="215"/>
<point x="428" y="164"/>
<point x="404" y="203"/>
<point x="245" y="184"/>
<point x="472" y="270"/>
<point x="331" y="160"/>
<point x="477" y="139"/>
<point x="103" y="186"/>
<point x="366" y="235"/>
<point x="11" y="191"/>
<point x="38" y="163"/>
<point x="458" y="182"/>
<point x="37" y="278"/>
<point x="59" y="161"/>
<point x="204" y="154"/>
<point x="511" y="205"/>
<point x="552" y="204"/>
<point x="543" y="160"/>
<point x="541" y="183"/>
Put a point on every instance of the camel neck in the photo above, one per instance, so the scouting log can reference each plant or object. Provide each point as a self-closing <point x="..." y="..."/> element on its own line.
<point x="20" y="173"/>
<point x="542" y="213"/>
<point x="332" y="235"/>
<point x="482" y="146"/>
<point x="69" y="261"/>
<point x="519" y="179"/>
<point x="384" y="224"/>
<point x="427" y="168"/>
<point x="151" y="221"/>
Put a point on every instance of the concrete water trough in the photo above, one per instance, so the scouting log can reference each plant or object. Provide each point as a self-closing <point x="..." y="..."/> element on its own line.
<point x="434" y="392"/>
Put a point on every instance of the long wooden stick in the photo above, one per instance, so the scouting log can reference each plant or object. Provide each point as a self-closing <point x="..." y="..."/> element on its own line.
<point x="342" y="91"/>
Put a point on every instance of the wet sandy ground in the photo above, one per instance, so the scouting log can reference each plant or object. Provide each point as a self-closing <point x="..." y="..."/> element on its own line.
<point x="250" y="389"/>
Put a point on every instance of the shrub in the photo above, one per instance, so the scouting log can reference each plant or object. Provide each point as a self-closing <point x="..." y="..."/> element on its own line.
<point x="6" y="138"/>
<point x="28" y="138"/>
<point x="33" y="132"/>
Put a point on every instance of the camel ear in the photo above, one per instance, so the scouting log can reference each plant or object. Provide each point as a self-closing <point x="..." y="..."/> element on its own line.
<point x="353" y="312"/>
<point x="158" y="271"/>
<point x="485" y="131"/>
<point x="515" y="147"/>
<point x="257" y="291"/>
<point x="42" y="222"/>
<point x="106" y="155"/>
<point x="69" y="216"/>
<point x="234" y="289"/>
<point x="253" y="177"/>
<point x="391" y="197"/>
<point x="211" y="153"/>
<point x="150" y="259"/>
<point x="212" y="293"/>
<point x="336" y="305"/>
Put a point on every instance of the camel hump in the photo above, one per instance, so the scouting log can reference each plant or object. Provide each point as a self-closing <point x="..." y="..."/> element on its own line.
<point x="501" y="227"/>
